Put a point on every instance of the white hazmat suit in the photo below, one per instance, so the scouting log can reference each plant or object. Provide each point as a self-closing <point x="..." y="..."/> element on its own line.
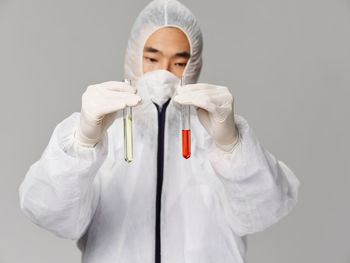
<point x="160" y="207"/>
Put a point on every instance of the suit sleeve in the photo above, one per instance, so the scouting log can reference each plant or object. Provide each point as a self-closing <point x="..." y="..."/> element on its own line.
<point x="260" y="189"/>
<point x="60" y="191"/>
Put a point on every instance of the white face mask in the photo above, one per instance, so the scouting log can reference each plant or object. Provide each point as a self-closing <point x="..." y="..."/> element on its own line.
<point x="158" y="85"/>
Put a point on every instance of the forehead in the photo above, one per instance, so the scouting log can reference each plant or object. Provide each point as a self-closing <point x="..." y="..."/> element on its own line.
<point x="168" y="39"/>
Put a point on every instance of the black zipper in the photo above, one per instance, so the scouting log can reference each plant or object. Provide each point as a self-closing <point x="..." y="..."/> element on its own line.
<point x="160" y="166"/>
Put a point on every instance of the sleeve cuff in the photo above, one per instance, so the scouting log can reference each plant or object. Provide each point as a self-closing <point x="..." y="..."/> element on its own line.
<point x="218" y="153"/>
<point x="63" y="142"/>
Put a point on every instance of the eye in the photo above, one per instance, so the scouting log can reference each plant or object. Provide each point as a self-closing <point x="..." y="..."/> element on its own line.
<point x="181" y="64"/>
<point x="150" y="59"/>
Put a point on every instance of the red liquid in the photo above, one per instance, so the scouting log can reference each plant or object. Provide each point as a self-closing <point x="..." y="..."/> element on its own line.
<point x="186" y="143"/>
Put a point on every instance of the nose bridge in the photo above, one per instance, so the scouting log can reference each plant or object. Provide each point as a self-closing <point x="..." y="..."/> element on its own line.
<point x="165" y="64"/>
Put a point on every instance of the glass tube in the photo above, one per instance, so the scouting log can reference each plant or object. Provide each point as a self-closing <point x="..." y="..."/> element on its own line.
<point x="128" y="137"/>
<point x="186" y="128"/>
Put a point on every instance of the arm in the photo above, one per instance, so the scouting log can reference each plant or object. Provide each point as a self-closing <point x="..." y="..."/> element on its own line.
<point x="60" y="191"/>
<point x="261" y="189"/>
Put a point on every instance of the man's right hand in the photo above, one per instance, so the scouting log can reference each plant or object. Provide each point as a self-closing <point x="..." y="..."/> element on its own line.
<point x="100" y="104"/>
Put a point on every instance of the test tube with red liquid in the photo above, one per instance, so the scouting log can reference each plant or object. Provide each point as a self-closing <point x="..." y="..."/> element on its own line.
<point x="186" y="128"/>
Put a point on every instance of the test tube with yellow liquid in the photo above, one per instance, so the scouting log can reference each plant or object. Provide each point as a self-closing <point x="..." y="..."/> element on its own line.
<point x="128" y="137"/>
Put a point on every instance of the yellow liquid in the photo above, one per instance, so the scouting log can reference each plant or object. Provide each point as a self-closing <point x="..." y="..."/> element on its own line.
<point x="128" y="149"/>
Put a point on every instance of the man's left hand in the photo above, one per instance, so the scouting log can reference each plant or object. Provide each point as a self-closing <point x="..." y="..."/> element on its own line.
<point x="214" y="106"/>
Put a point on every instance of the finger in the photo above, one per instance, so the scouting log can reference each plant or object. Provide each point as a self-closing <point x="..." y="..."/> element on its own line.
<point x="199" y="87"/>
<point x="199" y="101"/>
<point x="123" y="92"/>
<point x="133" y="100"/>
<point x="129" y="99"/>
<point x="222" y="99"/>
<point x="117" y="86"/>
<point x="217" y="98"/>
<point x="218" y="95"/>
<point x="212" y="93"/>
<point x="116" y="105"/>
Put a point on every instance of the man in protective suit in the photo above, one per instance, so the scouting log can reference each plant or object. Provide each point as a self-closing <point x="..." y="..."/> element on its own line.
<point x="160" y="207"/>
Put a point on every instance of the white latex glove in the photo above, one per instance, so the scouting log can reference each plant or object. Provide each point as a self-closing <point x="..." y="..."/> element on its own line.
<point x="214" y="106"/>
<point x="100" y="104"/>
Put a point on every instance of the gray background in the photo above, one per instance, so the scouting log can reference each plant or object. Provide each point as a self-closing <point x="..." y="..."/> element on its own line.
<point x="287" y="64"/>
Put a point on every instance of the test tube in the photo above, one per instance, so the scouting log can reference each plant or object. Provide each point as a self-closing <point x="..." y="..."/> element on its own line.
<point x="128" y="138"/>
<point x="186" y="128"/>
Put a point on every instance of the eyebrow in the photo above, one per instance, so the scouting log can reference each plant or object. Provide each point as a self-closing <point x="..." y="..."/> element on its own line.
<point x="183" y="54"/>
